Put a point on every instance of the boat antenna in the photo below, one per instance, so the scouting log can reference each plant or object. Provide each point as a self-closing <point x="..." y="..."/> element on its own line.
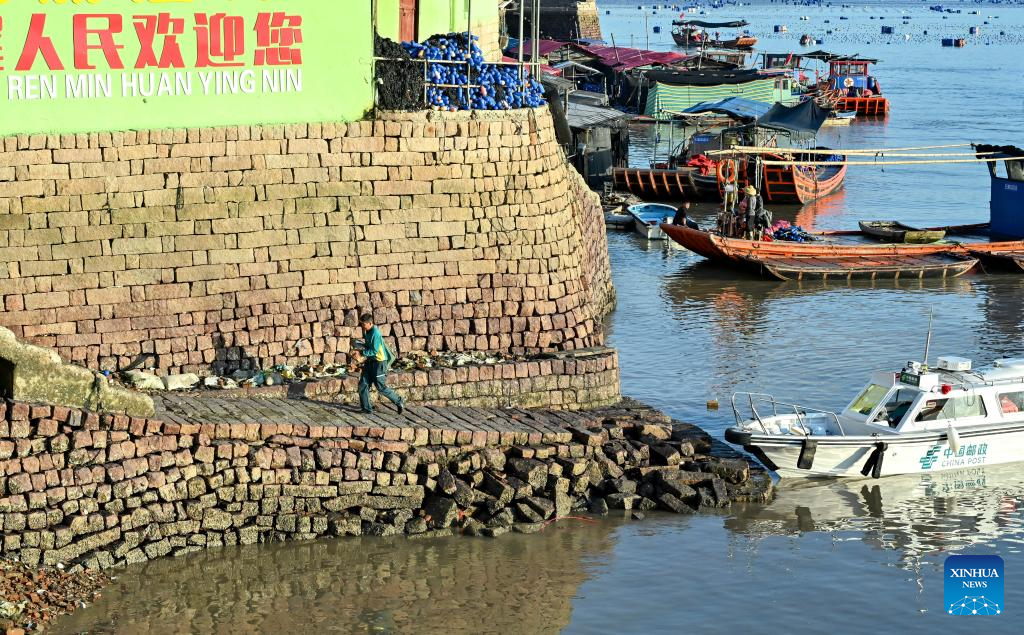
<point x="928" y="340"/>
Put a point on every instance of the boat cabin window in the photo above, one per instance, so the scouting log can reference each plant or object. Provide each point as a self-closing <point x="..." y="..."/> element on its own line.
<point x="896" y="406"/>
<point x="952" y="408"/>
<point x="1015" y="170"/>
<point x="841" y="69"/>
<point x="1011" y="402"/>
<point x="868" y="399"/>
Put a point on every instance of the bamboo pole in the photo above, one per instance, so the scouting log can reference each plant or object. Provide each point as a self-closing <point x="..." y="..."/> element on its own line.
<point x="850" y="153"/>
<point x="884" y="163"/>
<point x="853" y="151"/>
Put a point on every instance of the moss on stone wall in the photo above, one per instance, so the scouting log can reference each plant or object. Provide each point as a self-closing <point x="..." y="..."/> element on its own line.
<point x="37" y="375"/>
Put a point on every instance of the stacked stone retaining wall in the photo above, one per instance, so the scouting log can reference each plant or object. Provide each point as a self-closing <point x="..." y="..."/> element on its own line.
<point x="88" y="490"/>
<point x="221" y="248"/>
<point x="571" y="381"/>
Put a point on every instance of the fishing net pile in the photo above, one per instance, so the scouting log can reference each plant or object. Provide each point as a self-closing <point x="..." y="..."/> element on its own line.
<point x="494" y="87"/>
<point x="399" y="81"/>
<point x="782" y="230"/>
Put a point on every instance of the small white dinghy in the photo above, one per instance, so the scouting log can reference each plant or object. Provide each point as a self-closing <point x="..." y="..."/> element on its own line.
<point x="915" y="421"/>
<point x="648" y="217"/>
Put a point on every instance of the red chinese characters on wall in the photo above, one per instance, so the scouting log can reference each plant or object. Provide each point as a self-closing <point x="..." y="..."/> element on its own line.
<point x="222" y="41"/>
<point x="150" y="28"/>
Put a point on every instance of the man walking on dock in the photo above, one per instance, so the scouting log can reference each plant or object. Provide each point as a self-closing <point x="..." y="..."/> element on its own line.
<point x="378" y="359"/>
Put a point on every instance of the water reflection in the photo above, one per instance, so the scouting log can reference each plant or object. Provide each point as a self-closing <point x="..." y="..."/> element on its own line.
<point x="516" y="584"/>
<point x="914" y="516"/>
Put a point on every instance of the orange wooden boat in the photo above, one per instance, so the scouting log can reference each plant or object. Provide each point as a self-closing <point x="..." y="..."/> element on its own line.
<point x="840" y="244"/>
<point x="797" y="184"/>
<point x="862" y="267"/>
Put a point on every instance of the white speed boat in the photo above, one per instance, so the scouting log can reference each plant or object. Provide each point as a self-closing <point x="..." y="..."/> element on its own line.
<point x="915" y="421"/>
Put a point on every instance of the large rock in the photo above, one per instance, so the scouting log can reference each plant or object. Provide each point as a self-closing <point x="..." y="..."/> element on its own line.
<point x="441" y="511"/>
<point x="731" y="470"/>
<point x="502" y="492"/>
<point x="41" y="377"/>
<point x="143" y="381"/>
<point x="671" y="503"/>
<point x="181" y="382"/>
<point x="543" y="506"/>
<point x="530" y="470"/>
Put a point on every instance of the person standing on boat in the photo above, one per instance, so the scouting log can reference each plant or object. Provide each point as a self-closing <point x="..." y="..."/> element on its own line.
<point x="754" y="208"/>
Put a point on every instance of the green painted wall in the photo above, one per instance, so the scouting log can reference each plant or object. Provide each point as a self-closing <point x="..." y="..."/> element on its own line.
<point x="335" y="70"/>
<point x="439" y="16"/>
<point x="387" y="18"/>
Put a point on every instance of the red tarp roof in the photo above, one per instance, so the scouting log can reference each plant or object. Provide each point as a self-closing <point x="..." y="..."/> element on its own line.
<point x="544" y="48"/>
<point x="544" y="68"/>
<point x="621" y="58"/>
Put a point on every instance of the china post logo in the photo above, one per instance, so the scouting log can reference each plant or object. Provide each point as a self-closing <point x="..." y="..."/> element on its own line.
<point x="974" y="585"/>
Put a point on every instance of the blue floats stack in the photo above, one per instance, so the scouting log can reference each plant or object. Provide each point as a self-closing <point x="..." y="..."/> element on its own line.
<point x="495" y="87"/>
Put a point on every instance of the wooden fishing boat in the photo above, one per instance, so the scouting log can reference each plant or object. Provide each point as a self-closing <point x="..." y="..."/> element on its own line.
<point x="692" y="34"/>
<point x="799" y="184"/>
<point x="892" y="231"/>
<point x="694" y="38"/>
<point x="861" y="91"/>
<point x="970" y="240"/>
<point x="1007" y="260"/>
<point x="863" y="267"/>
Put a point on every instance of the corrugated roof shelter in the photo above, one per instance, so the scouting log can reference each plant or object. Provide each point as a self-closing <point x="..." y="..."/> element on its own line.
<point x="544" y="48"/>
<point x="621" y="59"/>
<point x="738" y="108"/>
<point x="582" y="116"/>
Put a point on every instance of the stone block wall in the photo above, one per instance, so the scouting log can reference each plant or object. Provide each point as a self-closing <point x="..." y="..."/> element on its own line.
<point x="560" y="20"/>
<point x="81" y="489"/>
<point x="569" y="382"/>
<point x="213" y="249"/>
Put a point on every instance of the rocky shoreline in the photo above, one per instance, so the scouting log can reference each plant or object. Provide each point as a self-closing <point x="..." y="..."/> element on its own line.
<point x="32" y="598"/>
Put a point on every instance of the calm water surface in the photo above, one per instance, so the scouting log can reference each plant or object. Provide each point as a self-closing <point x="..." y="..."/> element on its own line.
<point x="839" y="557"/>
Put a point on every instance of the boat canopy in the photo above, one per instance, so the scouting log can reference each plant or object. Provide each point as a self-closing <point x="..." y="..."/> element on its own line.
<point x="704" y="78"/>
<point x="738" y="108"/>
<point x="825" y="56"/>
<point x="735" y="24"/>
<point x="805" y="118"/>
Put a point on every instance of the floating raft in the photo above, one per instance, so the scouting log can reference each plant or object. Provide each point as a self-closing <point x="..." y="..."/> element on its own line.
<point x="857" y="267"/>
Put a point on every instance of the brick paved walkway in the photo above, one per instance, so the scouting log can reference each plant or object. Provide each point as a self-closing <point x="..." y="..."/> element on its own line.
<point x="438" y="425"/>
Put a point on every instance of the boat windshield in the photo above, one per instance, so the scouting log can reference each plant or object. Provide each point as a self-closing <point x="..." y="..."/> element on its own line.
<point x="896" y="406"/>
<point x="868" y="399"/>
